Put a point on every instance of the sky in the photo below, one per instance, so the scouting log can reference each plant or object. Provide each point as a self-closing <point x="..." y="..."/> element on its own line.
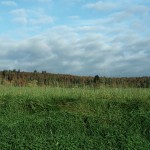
<point x="80" y="37"/>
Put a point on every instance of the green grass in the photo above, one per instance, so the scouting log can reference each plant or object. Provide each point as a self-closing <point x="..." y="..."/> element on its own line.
<point x="74" y="119"/>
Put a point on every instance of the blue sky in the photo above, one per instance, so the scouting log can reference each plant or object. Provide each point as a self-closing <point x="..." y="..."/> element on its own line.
<point x="81" y="37"/>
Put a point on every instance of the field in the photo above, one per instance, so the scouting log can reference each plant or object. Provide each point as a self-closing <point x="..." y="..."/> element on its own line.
<point x="74" y="118"/>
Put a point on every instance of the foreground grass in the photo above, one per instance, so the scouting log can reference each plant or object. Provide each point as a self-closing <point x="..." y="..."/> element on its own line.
<point x="59" y="118"/>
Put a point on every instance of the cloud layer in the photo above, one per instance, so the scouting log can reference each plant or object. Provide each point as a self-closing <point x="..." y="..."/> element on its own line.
<point x="114" y="40"/>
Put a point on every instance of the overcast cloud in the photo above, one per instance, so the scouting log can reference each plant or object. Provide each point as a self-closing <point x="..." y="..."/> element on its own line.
<point x="108" y="38"/>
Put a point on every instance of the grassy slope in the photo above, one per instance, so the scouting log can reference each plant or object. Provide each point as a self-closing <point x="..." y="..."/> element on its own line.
<point x="57" y="118"/>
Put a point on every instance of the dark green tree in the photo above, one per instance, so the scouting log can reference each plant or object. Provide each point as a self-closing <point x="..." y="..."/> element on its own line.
<point x="96" y="79"/>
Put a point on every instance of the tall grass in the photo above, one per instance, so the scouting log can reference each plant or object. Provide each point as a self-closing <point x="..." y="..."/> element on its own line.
<point x="74" y="118"/>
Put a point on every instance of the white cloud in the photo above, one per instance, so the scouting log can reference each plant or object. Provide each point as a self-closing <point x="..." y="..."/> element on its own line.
<point x="101" y="6"/>
<point x="42" y="19"/>
<point x="21" y="12"/>
<point x="20" y="16"/>
<point x="139" y="9"/>
<point x="63" y="50"/>
<point x="31" y="17"/>
<point x="20" y="20"/>
<point x="9" y="3"/>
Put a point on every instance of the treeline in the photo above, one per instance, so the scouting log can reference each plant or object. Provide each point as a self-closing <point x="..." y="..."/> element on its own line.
<point x="18" y="78"/>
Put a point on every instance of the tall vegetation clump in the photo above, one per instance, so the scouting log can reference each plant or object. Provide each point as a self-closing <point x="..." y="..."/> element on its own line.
<point x="18" y="78"/>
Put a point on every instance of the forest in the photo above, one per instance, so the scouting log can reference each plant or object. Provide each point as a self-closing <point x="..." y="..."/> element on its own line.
<point x="35" y="78"/>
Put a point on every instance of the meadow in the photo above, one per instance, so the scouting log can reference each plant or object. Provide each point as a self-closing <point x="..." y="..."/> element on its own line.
<point x="74" y="118"/>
